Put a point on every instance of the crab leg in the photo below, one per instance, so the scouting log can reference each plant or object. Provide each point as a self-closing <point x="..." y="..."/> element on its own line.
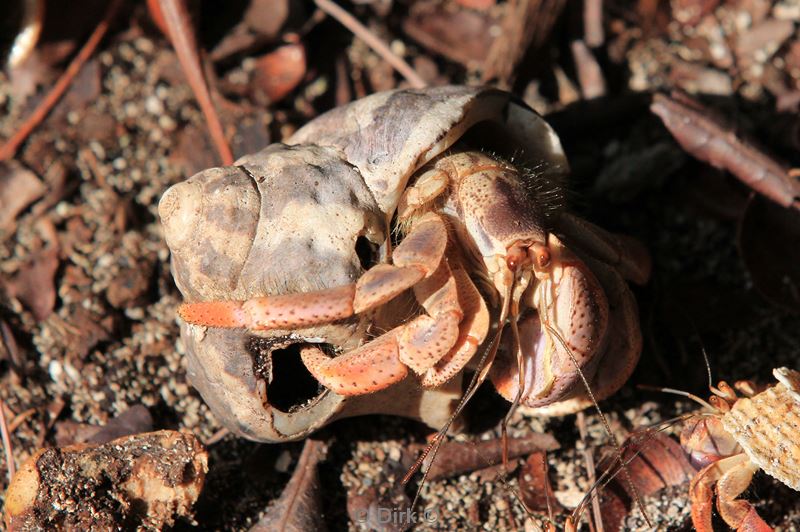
<point x="472" y="332"/>
<point x="417" y="257"/>
<point x="435" y="345"/>
<point x="731" y="475"/>
<point x="367" y="369"/>
<point x="426" y="188"/>
<point x="621" y="252"/>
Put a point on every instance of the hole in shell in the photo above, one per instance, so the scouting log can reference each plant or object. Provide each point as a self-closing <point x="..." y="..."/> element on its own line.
<point x="292" y="386"/>
<point x="367" y="252"/>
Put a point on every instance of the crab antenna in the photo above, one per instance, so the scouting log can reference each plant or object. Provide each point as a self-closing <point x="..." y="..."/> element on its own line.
<point x="521" y="385"/>
<point x="708" y="366"/>
<point x="693" y="397"/>
<point x="602" y="416"/>
<point x="609" y="474"/>
<point x="603" y="480"/>
<point x="484" y="365"/>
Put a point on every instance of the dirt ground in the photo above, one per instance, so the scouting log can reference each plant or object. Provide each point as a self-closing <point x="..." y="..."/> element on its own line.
<point x="87" y="301"/>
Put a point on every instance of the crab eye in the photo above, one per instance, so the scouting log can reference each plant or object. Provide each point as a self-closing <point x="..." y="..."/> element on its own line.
<point x="543" y="258"/>
<point x="541" y="255"/>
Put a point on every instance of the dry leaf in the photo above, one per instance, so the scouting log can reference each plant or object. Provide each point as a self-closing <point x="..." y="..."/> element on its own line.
<point x="34" y="283"/>
<point x="299" y="507"/>
<point x="19" y="187"/>
<point x="279" y="72"/>
<point x="534" y="485"/>
<point x="456" y="457"/>
<point x="134" y="420"/>
<point x="660" y="463"/>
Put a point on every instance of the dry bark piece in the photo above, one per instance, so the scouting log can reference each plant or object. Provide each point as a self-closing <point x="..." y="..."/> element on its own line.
<point x="299" y="507"/>
<point x="134" y="420"/>
<point x="147" y="480"/>
<point x="525" y="24"/>
<point x="34" y="283"/>
<point x="19" y="187"/>
<point x="457" y="457"/>
<point x="709" y="140"/>
<point x="764" y="228"/>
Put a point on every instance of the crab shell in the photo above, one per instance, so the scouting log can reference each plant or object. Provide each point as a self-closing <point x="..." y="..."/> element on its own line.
<point x="297" y="217"/>
<point x="767" y="426"/>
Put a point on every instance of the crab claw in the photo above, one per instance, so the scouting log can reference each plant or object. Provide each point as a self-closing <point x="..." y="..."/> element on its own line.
<point x="566" y="338"/>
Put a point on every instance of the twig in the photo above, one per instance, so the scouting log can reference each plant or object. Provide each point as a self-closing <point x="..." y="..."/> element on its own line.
<point x="381" y="48"/>
<point x="178" y="24"/>
<point x="19" y="419"/>
<point x="590" y="75"/>
<point x="716" y="143"/>
<point x="10" y="465"/>
<point x="216" y="437"/>
<point x="11" y="146"/>
<point x="589" y="459"/>
<point x="593" y="32"/>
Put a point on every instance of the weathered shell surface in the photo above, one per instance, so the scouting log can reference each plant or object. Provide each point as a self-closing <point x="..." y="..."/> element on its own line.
<point x="283" y="220"/>
<point x="390" y="134"/>
<point x="767" y="426"/>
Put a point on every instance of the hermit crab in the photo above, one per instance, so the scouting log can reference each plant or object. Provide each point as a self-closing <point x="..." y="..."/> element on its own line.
<point x="758" y="431"/>
<point x="379" y="249"/>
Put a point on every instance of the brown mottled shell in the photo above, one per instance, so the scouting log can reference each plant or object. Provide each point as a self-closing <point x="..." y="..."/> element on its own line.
<point x="767" y="426"/>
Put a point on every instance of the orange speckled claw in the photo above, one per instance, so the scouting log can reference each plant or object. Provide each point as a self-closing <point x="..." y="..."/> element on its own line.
<point x="228" y="314"/>
<point x="273" y="312"/>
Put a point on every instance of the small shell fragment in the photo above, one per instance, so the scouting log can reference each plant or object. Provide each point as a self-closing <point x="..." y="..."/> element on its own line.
<point x="767" y="426"/>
